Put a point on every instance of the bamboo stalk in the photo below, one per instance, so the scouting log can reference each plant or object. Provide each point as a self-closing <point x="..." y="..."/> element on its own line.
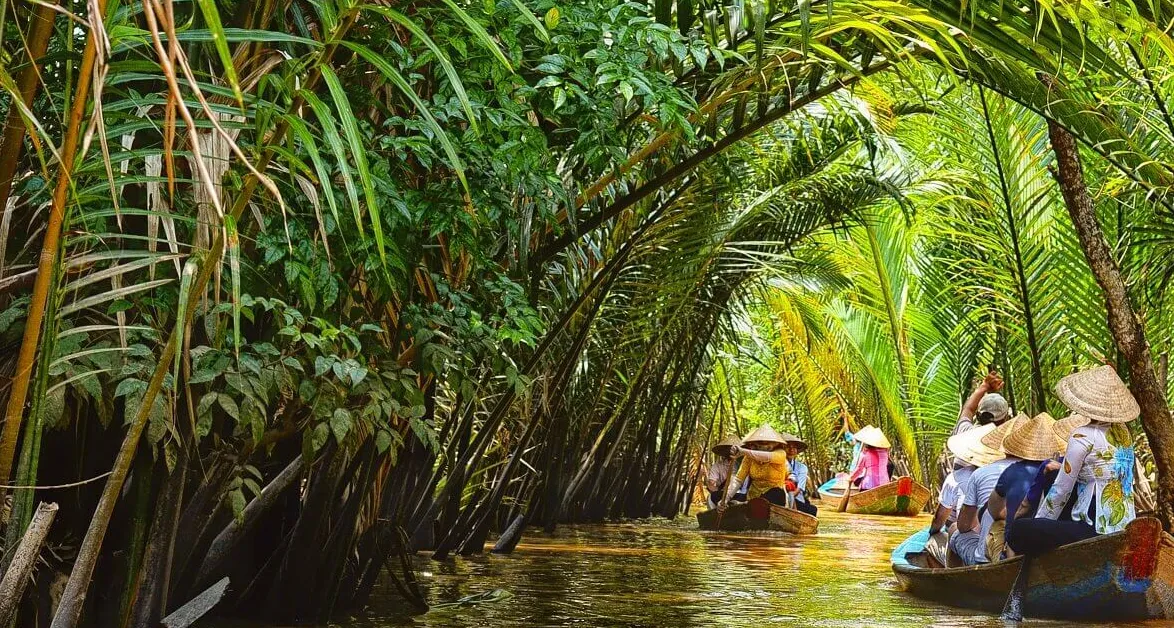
<point x="40" y="31"/>
<point x="48" y="259"/>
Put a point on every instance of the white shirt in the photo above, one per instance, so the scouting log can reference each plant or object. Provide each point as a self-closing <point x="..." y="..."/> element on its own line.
<point x="951" y="493"/>
<point x="982" y="482"/>
<point x="980" y="486"/>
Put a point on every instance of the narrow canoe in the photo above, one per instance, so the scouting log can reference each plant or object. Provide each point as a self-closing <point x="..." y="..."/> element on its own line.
<point x="758" y="514"/>
<point x="901" y="497"/>
<point x="1124" y="576"/>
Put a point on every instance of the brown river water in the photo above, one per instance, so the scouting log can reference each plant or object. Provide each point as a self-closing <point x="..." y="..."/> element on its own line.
<point x="667" y="573"/>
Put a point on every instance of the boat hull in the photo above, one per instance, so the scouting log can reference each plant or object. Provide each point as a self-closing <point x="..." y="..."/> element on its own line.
<point x="902" y="497"/>
<point x="1124" y="576"/>
<point x="758" y="514"/>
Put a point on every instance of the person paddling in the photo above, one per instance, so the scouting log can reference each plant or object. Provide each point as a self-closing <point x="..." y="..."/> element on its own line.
<point x="721" y="469"/>
<point x="1098" y="468"/>
<point x="873" y="469"/>
<point x="764" y="464"/>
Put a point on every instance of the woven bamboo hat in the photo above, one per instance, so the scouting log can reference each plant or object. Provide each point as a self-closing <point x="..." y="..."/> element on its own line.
<point x="967" y="446"/>
<point x="1098" y="395"/>
<point x="1034" y="439"/>
<point x="794" y="440"/>
<point x="726" y="443"/>
<point x="1065" y="426"/>
<point x="764" y="434"/>
<point x="870" y="435"/>
<point x="994" y="440"/>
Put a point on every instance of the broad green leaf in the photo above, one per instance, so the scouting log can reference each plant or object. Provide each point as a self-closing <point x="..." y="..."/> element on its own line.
<point x="394" y="76"/>
<point x="350" y="127"/>
<point x="479" y="33"/>
<point x="454" y="79"/>
<point x="340" y="424"/>
<point x="212" y="18"/>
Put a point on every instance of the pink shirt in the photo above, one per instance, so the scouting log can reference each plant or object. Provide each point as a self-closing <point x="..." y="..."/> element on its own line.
<point x="873" y="467"/>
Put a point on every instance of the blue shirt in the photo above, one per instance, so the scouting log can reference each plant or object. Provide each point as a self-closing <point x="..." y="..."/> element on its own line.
<point x="799" y="470"/>
<point x="1014" y="483"/>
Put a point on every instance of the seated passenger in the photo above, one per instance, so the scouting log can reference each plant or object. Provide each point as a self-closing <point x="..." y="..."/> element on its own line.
<point x="969" y="454"/>
<point x="1098" y="467"/>
<point x="1032" y="443"/>
<point x="721" y="469"/>
<point x="968" y="542"/>
<point x="797" y="478"/>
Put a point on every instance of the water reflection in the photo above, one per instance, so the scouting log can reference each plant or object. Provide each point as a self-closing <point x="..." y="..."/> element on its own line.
<point x="669" y="574"/>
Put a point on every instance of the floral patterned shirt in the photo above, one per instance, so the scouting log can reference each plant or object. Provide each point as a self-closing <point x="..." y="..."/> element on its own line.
<point x="1098" y="465"/>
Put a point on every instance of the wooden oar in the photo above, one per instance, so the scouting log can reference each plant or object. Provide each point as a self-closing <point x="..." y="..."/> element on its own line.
<point x="847" y="495"/>
<point x="1013" y="609"/>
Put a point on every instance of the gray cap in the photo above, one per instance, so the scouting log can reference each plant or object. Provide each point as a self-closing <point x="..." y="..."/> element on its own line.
<point x="996" y="406"/>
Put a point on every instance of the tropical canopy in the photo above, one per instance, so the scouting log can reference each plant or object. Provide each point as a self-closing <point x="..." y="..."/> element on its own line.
<point x="289" y="287"/>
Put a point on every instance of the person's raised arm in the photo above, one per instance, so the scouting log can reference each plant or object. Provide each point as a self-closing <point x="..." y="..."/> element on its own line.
<point x="1057" y="497"/>
<point x="991" y="383"/>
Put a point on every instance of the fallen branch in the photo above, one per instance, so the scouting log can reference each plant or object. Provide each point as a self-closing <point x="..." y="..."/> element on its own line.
<point x="199" y="606"/>
<point x="23" y="560"/>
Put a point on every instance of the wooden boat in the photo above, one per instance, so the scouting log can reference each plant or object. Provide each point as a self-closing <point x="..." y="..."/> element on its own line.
<point x="758" y="514"/>
<point x="1124" y="576"/>
<point x="901" y="497"/>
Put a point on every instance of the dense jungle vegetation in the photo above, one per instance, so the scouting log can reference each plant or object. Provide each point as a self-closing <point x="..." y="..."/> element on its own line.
<point x="292" y="288"/>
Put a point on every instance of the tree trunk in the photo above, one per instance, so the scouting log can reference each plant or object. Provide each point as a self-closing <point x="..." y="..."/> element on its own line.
<point x="1128" y="333"/>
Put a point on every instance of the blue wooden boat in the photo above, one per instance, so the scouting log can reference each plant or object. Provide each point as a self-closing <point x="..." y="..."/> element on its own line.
<point x="1124" y="576"/>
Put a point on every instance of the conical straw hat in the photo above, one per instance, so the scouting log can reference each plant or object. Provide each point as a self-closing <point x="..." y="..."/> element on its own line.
<point x="872" y="436"/>
<point x="967" y="446"/>
<point x="994" y="440"/>
<point x="1065" y="426"/>
<point x="729" y="441"/>
<point x="764" y="434"/>
<point x="1034" y="439"/>
<point x="794" y="440"/>
<point x="1098" y="395"/>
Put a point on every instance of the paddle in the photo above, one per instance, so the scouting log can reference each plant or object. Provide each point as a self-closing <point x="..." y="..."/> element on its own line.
<point x="844" y="500"/>
<point x="1013" y="609"/>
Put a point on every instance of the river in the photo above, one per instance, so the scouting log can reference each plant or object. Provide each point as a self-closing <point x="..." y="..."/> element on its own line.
<point x="666" y="573"/>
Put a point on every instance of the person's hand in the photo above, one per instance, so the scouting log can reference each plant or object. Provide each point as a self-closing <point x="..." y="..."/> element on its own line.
<point x="992" y="382"/>
<point x="722" y="505"/>
<point x="791" y="486"/>
<point x="1053" y="465"/>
